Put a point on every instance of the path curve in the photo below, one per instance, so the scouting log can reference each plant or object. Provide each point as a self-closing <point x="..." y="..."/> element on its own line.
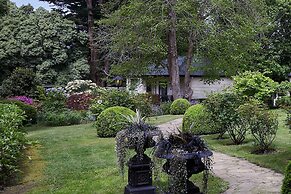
<point x="243" y="176"/>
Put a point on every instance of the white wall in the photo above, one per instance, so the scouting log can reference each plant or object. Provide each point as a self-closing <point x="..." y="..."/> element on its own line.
<point x="201" y="89"/>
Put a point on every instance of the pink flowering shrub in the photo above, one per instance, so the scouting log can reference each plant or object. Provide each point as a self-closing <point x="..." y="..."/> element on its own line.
<point x="23" y="99"/>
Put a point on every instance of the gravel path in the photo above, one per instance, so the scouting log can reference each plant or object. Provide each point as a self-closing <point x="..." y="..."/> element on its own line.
<point x="243" y="176"/>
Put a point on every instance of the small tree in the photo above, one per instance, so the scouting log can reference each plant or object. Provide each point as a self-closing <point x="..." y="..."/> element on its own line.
<point x="254" y="84"/>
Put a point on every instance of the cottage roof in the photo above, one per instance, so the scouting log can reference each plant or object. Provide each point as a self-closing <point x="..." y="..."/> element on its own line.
<point x="181" y="61"/>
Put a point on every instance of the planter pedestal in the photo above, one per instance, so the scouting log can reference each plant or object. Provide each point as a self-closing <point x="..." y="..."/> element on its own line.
<point x="140" y="176"/>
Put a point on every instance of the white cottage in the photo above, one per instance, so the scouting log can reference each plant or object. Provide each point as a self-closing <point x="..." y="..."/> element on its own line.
<point x="157" y="83"/>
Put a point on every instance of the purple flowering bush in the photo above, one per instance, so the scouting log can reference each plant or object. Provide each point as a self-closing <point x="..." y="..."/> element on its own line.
<point x="23" y="99"/>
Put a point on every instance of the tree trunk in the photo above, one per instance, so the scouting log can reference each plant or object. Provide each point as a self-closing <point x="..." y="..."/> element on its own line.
<point x="172" y="51"/>
<point x="93" y="60"/>
<point x="188" y="90"/>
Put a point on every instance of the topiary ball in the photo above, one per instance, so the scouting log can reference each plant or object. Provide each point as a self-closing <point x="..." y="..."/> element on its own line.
<point x="112" y="120"/>
<point x="179" y="106"/>
<point x="286" y="187"/>
<point x="197" y="121"/>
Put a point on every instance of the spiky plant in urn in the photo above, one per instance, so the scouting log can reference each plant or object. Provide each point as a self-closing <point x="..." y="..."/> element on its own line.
<point x="186" y="154"/>
<point x="138" y="136"/>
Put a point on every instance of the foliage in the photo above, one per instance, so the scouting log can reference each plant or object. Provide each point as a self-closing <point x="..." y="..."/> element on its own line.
<point x="23" y="99"/>
<point x="179" y="106"/>
<point x="79" y="101"/>
<point x="284" y="88"/>
<point x="61" y="118"/>
<point x="21" y="82"/>
<point x="166" y="107"/>
<point x="12" y="140"/>
<point x="254" y="84"/>
<point x="286" y="187"/>
<point x="288" y="120"/>
<point x="263" y="125"/>
<point x="222" y="109"/>
<point x="45" y="42"/>
<point x="112" y="120"/>
<point x="30" y="112"/>
<point x="143" y="103"/>
<point x="3" y="7"/>
<point x="197" y="121"/>
<point x="79" y="86"/>
<point x="137" y="135"/>
<point x="96" y="108"/>
<point x="117" y="98"/>
<point x="55" y="100"/>
<point x="180" y="150"/>
<point x="284" y="102"/>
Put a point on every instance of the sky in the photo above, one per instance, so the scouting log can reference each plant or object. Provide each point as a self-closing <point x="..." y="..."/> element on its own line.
<point x="35" y="3"/>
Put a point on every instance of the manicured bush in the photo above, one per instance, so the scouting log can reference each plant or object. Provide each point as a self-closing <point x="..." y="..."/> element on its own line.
<point x="62" y="118"/>
<point x="29" y="111"/>
<point x="222" y="109"/>
<point x="166" y="107"/>
<point x="284" y="102"/>
<point x="79" y="101"/>
<point x="288" y="120"/>
<point x="179" y="106"/>
<point x="197" y="121"/>
<point x="255" y="84"/>
<point x="21" y="82"/>
<point x="12" y="140"/>
<point x="118" y="98"/>
<point x="112" y="120"/>
<point x="286" y="187"/>
<point x="96" y="108"/>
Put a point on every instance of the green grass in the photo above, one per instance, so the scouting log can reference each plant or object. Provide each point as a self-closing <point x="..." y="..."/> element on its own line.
<point x="74" y="160"/>
<point x="276" y="160"/>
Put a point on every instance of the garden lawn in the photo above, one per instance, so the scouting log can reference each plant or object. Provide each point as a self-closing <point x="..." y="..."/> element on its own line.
<point x="74" y="160"/>
<point x="276" y="160"/>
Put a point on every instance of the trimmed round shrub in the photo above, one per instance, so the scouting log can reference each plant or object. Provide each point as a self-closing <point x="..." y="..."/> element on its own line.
<point x="197" y="121"/>
<point x="29" y="111"/>
<point x="286" y="187"/>
<point x="179" y="106"/>
<point x="112" y="120"/>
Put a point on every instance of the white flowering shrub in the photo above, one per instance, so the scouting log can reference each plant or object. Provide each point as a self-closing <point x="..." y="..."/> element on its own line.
<point x="80" y="86"/>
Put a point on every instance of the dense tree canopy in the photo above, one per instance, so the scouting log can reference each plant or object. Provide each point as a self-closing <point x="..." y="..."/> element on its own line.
<point x="43" y="41"/>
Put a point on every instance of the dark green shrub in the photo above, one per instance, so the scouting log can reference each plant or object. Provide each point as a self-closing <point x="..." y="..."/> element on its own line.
<point x="288" y="120"/>
<point x="12" y="140"/>
<point x="284" y="102"/>
<point x="21" y="82"/>
<point x="197" y="121"/>
<point x="166" y="107"/>
<point x="286" y="187"/>
<point x="29" y="111"/>
<point x="112" y="120"/>
<point x="222" y="109"/>
<point x="63" y="118"/>
<point x="55" y="100"/>
<point x="179" y="106"/>
<point x="117" y="98"/>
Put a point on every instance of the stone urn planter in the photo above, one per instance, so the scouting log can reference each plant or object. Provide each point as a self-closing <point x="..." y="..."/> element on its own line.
<point x="185" y="155"/>
<point x="137" y="136"/>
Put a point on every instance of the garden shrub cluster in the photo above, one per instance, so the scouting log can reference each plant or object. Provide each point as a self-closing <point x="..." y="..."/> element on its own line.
<point x="63" y="118"/>
<point x="222" y="109"/>
<point x="80" y="86"/>
<point x="286" y="187"/>
<point x="179" y="106"/>
<point x="79" y="101"/>
<point x="166" y="107"/>
<point x="30" y="112"/>
<point x="111" y="98"/>
<point x="112" y="120"/>
<point x="22" y="82"/>
<point x="197" y="121"/>
<point x="12" y="140"/>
